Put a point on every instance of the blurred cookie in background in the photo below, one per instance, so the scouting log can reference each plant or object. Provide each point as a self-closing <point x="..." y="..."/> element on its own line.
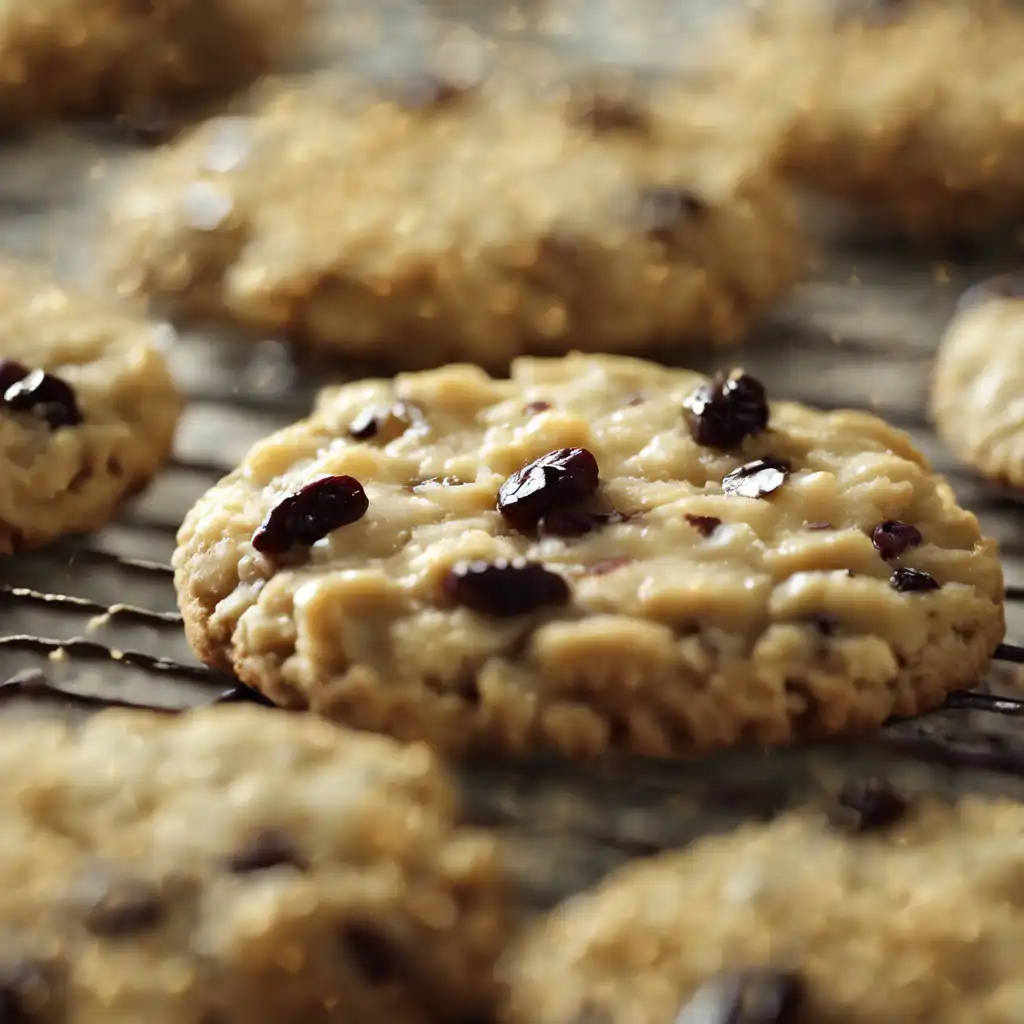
<point x="477" y="207"/>
<point x="913" y="109"/>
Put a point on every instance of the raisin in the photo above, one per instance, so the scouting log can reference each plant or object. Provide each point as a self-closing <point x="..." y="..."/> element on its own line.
<point x="704" y="525"/>
<point x="909" y="581"/>
<point x="745" y="997"/>
<point x="578" y="524"/>
<point x="385" y="423"/>
<point x="892" y="538"/>
<point x="868" y="806"/>
<point x="310" y="513"/>
<point x="726" y="410"/>
<point x="757" y="479"/>
<point x="47" y="397"/>
<point x="269" y="848"/>
<point x="115" y="905"/>
<point x="664" y="210"/>
<point x="549" y="484"/>
<point x="11" y="371"/>
<point x="505" y="588"/>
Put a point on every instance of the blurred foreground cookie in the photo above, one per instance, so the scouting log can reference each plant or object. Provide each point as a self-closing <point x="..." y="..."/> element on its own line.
<point x="598" y="553"/>
<point x="978" y="389"/>
<point x="88" y="409"/>
<point x="914" y="108"/>
<point x="887" y="913"/>
<point x="242" y="866"/>
<point x="62" y="58"/>
<point x="441" y="220"/>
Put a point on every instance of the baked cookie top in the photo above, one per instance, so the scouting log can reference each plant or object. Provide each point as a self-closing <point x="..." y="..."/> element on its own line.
<point x="598" y="552"/>
<point x="978" y="390"/>
<point x="238" y="865"/>
<point x="88" y="409"/>
<point x="512" y="208"/>
<point x="914" y="918"/>
<point x="91" y="57"/>
<point x="876" y="114"/>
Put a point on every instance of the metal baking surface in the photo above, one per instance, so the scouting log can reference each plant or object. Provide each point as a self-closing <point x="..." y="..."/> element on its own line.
<point x="94" y="622"/>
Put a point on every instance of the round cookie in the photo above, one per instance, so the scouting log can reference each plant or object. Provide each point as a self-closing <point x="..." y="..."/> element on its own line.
<point x="879" y="115"/>
<point x="978" y="380"/>
<point x="444" y="219"/>
<point x="62" y="58"/>
<point x="242" y="866"/>
<point x="683" y="569"/>
<point x="914" y="916"/>
<point x="88" y="409"/>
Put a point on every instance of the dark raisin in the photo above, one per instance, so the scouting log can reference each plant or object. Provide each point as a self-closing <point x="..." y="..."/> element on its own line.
<point x="892" y="538"/>
<point x="1005" y="286"/>
<point x="757" y="479"/>
<point x="364" y="426"/>
<point x="549" y="484"/>
<point x="908" y="581"/>
<point x="663" y="211"/>
<point x="374" y="955"/>
<point x="608" y="565"/>
<point x="47" y="397"/>
<point x="566" y="524"/>
<point x="868" y="806"/>
<point x="269" y="848"/>
<point x="532" y="408"/>
<point x="311" y="513"/>
<point x="745" y="997"/>
<point x="726" y="410"/>
<point x="115" y="905"/>
<point x="11" y="371"/>
<point x="704" y="525"/>
<point x="615" y="114"/>
<point x="25" y="992"/>
<point x="505" y="589"/>
<point x="385" y="423"/>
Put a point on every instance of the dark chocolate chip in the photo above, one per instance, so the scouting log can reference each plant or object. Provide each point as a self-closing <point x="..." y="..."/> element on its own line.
<point x="47" y="397"/>
<point x="663" y="211"/>
<point x="115" y="905"/>
<point x="704" y="525"/>
<point x="757" y="479"/>
<point x="311" y="513"/>
<point x="892" y="538"/>
<point x="1005" y="286"/>
<point x="726" y="410"/>
<point x="375" y="956"/>
<point x="868" y="806"/>
<point x="608" y="565"/>
<point x="552" y="483"/>
<point x="909" y="581"/>
<point x="745" y="997"/>
<point x="26" y="992"/>
<point x="505" y="589"/>
<point x="11" y="371"/>
<point x="269" y="848"/>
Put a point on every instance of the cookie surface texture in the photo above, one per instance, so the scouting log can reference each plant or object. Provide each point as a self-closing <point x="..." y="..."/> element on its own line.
<point x="878" y="113"/>
<point x="640" y="588"/>
<point x="916" y="922"/>
<point x="480" y="222"/>
<point x="978" y="387"/>
<point x="61" y="58"/>
<point x="88" y="409"/>
<point x="238" y="865"/>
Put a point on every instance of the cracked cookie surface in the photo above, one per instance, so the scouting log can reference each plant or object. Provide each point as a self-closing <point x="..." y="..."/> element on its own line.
<point x="238" y="865"/>
<point x="419" y="223"/>
<point x="63" y="58"/>
<point x="88" y="409"/>
<point x="809" y="576"/>
<point x="878" y="115"/>
<point x="978" y="381"/>
<point x="916" y="920"/>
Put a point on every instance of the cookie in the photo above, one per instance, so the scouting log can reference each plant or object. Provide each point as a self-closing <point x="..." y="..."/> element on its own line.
<point x="88" y="409"/>
<point x="448" y="219"/>
<point x="597" y="553"/>
<point x="978" y="384"/>
<point x="64" y="58"/>
<point x="237" y="865"/>
<point x="878" y="113"/>
<point x="887" y="912"/>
